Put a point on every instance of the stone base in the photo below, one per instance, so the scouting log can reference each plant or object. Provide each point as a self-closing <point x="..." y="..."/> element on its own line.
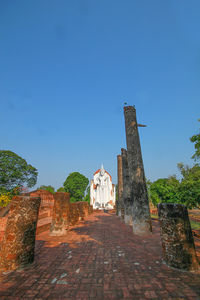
<point x="142" y="227"/>
<point x="128" y="219"/>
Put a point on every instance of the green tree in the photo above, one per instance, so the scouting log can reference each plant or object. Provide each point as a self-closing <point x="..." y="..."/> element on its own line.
<point x="189" y="188"/>
<point x="87" y="196"/>
<point x="15" y="172"/>
<point x="196" y="140"/>
<point x="47" y="188"/>
<point x="185" y="191"/>
<point x="76" y="184"/>
<point x="61" y="189"/>
<point x="164" y="190"/>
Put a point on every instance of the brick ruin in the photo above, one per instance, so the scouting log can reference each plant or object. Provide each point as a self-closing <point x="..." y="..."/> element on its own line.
<point x="176" y="236"/>
<point x="67" y="214"/>
<point x="61" y="212"/>
<point x="46" y="212"/>
<point x="133" y="205"/>
<point x="46" y="209"/>
<point x="29" y="215"/>
<point x="17" y="247"/>
<point x="47" y="198"/>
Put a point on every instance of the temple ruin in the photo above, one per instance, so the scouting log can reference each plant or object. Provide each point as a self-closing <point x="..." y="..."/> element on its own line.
<point x="17" y="247"/>
<point x="128" y="219"/>
<point x="176" y="236"/>
<point x="119" y="204"/>
<point x="131" y="178"/>
<point x="60" y="218"/>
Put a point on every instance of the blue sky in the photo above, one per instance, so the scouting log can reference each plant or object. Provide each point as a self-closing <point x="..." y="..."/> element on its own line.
<point x="67" y="67"/>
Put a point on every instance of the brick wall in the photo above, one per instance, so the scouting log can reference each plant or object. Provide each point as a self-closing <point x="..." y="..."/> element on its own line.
<point x="78" y="211"/>
<point x="47" y="198"/>
<point x="3" y="221"/>
<point x="45" y="212"/>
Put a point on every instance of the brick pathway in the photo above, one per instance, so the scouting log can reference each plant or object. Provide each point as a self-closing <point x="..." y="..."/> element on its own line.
<point x="99" y="259"/>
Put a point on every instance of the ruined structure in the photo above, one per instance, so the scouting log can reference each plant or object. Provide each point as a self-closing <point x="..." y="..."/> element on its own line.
<point x="176" y="235"/>
<point x="77" y="211"/>
<point x="74" y="217"/>
<point x="119" y="204"/>
<point x="47" y="199"/>
<point x="17" y="247"/>
<point x="126" y="190"/>
<point x="138" y="192"/>
<point x="102" y="191"/>
<point x="61" y="211"/>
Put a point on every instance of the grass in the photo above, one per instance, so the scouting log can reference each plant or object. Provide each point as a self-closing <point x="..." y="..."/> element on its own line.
<point x="154" y="216"/>
<point x="194" y="224"/>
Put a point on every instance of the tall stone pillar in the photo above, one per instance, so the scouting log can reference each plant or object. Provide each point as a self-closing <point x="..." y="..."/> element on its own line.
<point x="120" y="186"/>
<point x="138" y="191"/>
<point x="17" y="247"/>
<point x="126" y="189"/>
<point x="176" y="235"/>
<point x="60" y="218"/>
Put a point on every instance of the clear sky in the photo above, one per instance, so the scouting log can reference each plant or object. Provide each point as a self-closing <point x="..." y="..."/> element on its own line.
<point x="68" y="66"/>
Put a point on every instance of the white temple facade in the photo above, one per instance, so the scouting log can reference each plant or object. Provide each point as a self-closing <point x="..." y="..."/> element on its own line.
<point x="102" y="191"/>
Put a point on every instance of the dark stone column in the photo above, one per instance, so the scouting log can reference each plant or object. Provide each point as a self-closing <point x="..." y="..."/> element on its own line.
<point x="60" y="218"/>
<point x="176" y="235"/>
<point x="119" y="205"/>
<point x="17" y="247"/>
<point x="126" y="189"/>
<point x="138" y="191"/>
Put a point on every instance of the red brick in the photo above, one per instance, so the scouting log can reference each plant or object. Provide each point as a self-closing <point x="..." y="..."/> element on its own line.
<point x="90" y="243"/>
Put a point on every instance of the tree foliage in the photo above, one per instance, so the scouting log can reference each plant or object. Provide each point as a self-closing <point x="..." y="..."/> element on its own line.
<point x="61" y="189"/>
<point x="15" y="172"/>
<point x="164" y="190"/>
<point x="5" y="199"/>
<point x="47" y="188"/>
<point x="76" y="184"/>
<point x="189" y="190"/>
<point x="185" y="191"/>
<point x="87" y="196"/>
<point x="196" y="140"/>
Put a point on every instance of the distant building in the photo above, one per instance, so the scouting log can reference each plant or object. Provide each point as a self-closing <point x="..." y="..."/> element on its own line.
<point x="102" y="191"/>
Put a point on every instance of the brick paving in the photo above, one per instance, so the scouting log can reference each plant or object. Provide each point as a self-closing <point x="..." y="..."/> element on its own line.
<point x="99" y="259"/>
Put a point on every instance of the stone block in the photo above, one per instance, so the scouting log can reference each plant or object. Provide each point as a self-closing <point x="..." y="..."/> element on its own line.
<point x="83" y="208"/>
<point x="17" y="247"/>
<point x="61" y="212"/>
<point x="74" y="214"/>
<point x="176" y="235"/>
